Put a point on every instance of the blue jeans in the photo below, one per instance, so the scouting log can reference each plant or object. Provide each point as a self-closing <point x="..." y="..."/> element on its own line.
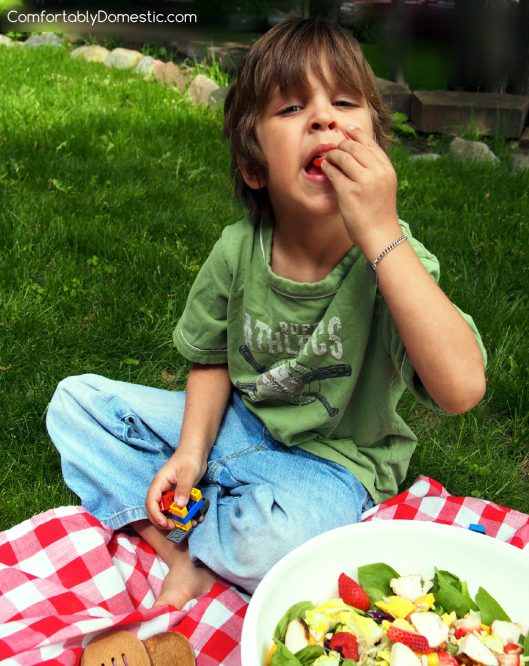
<point x="266" y="498"/>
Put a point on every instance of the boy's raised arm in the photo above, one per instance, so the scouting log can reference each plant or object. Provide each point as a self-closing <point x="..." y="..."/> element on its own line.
<point x="208" y="390"/>
<point x="439" y="342"/>
<point x="441" y="345"/>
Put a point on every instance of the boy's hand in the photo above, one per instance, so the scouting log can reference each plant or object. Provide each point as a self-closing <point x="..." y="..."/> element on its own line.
<point x="366" y="186"/>
<point x="181" y="470"/>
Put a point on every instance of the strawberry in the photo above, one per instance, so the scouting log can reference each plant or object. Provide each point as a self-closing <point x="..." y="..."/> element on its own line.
<point x="317" y="162"/>
<point x="509" y="659"/>
<point x="467" y="625"/>
<point x="414" y="641"/>
<point x="346" y="644"/>
<point x="513" y="647"/>
<point x="447" y="659"/>
<point x="441" y="658"/>
<point x="352" y="593"/>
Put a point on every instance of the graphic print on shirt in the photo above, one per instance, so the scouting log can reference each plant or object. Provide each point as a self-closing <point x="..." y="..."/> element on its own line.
<point x="294" y="338"/>
<point x="290" y="381"/>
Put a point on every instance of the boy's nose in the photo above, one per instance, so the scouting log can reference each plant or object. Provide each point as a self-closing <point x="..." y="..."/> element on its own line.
<point x="323" y="119"/>
<point x="325" y="124"/>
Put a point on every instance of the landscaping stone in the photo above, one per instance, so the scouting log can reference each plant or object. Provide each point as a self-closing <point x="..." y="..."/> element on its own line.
<point x="425" y="157"/>
<point x="451" y="111"/>
<point x="524" y="138"/>
<point x="45" y="39"/>
<point x="146" y="65"/>
<point x="6" y="41"/>
<point x="91" y="53"/>
<point x="169" y="73"/>
<point x="229" y="55"/>
<point x="520" y="161"/>
<point x="472" y="150"/>
<point x="396" y="95"/>
<point x="201" y="88"/>
<point x="123" y="58"/>
<point x="217" y="97"/>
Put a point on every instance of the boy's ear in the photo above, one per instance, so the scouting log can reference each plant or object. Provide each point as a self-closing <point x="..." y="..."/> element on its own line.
<point x="250" y="178"/>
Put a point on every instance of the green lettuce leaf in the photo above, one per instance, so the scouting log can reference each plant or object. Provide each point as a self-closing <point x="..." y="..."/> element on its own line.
<point x="297" y="610"/>
<point x="309" y="654"/>
<point x="489" y="608"/>
<point x="374" y="578"/>
<point x="452" y="593"/>
<point x="283" y="657"/>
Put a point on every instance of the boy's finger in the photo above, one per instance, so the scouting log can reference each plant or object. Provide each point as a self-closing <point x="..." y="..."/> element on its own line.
<point x="360" y="154"/>
<point x="182" y="492"/>
<point x="366" y="140"/>
<point x="152" y="504"/>
<point x="155" y="515"/>
<point x="343" y="160"/>
<point x="336" y="176"/>
<point x="361" y="135"/>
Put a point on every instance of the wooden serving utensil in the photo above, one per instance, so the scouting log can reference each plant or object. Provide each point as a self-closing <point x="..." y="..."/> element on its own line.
<point x="122" y="648"/>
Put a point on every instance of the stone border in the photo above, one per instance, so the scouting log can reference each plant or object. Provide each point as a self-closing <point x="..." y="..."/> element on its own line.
<point x="203" y="90"/>
<point x="200" y="89"/>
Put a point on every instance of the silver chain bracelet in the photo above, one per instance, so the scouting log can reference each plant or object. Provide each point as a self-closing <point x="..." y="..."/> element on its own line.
<point x="387" y="250"/>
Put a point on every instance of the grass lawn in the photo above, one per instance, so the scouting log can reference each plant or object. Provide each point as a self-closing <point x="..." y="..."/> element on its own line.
<point x="112" y="192"/>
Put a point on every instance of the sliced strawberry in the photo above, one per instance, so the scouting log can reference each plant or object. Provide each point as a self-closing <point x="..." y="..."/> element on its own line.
<point x="346" y="644"/>
<point x="414" y="641"/>
<point x="513" y="647"/>
<point x="467" y="625"/>
<point x="510" y="659"/>
<point x="352" y="593"/>
<point x="447" y="659"/>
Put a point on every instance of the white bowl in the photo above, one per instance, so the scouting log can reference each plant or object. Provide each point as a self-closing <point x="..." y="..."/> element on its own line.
<point x="310" y="572"/>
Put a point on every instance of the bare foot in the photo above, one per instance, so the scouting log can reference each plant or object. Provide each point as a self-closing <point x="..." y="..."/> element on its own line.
<point x="185" y="581"/>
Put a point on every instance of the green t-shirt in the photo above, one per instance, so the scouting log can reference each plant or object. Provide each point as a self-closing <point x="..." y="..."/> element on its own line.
<point x="321" y="364"/>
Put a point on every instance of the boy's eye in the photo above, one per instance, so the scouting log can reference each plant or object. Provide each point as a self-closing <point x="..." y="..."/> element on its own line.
<point x="345" y="102"/>
<point x="292" y="108"/>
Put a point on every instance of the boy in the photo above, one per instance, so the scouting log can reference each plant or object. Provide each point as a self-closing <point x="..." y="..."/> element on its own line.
<point x="303" y="329"/>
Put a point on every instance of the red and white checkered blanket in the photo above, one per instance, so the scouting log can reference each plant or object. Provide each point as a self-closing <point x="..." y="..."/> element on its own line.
<point x="64" y="578"/>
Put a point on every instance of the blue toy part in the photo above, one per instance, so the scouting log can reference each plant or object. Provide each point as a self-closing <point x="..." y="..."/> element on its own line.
<point x="476" y="527"/>
<point x="179" y="534"/>
<point x="192" y="509"/>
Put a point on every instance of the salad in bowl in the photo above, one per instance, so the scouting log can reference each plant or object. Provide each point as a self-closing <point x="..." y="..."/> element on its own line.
<point x="438" y="582"/>
<point x="387" y="619"/>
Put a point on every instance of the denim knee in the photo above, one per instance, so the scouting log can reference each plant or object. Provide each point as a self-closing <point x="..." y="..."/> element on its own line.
<point x="266" y="544"/>
<point x="265" y="531"/>
<point x="72" y="387"/>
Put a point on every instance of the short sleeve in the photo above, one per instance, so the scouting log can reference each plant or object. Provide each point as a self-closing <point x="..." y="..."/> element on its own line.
<point x="393" y="342"/>
<point x="201" y="332"/>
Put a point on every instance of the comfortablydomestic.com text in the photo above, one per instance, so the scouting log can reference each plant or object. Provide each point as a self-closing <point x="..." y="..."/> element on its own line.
<point x="101" y="16"/>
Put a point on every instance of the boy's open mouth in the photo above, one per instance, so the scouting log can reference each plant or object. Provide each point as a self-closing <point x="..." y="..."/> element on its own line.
<point x="314" y="167"/>
<point x="313" y="164"/>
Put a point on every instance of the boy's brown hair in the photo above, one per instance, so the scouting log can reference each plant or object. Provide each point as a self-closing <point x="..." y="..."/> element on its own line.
<point x="282" y="57"/>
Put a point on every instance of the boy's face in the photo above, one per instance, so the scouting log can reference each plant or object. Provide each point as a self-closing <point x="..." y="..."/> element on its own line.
<point x="292" y="131"/>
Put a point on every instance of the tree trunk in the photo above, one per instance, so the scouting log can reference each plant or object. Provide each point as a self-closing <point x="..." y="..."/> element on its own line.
<point x="395" y="38"/>
<point x="484" y="46"/>
<point x="521" y="77"/>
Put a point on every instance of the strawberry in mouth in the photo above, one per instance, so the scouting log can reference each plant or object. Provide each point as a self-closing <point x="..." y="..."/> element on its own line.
<point x="314" y="167"/>
<point x="313" y="164"/>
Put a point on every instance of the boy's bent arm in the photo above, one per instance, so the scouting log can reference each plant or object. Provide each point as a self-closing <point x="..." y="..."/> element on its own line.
<point x="439" y="342"/>
<point x="208" y="389"/>
<point x="441" y="345"/>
